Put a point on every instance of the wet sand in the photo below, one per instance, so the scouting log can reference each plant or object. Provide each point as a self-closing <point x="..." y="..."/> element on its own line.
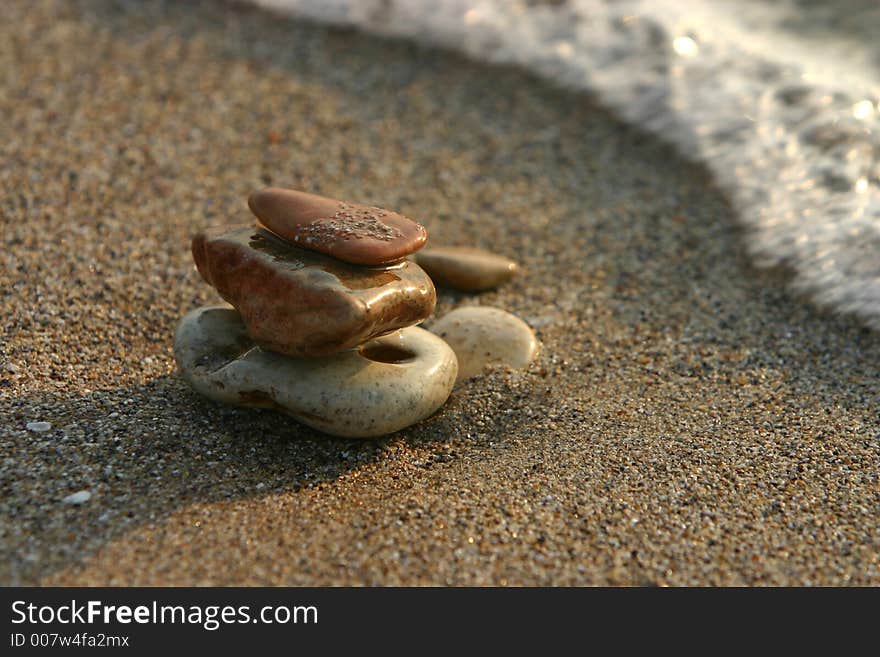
<point x="691" y="421"/>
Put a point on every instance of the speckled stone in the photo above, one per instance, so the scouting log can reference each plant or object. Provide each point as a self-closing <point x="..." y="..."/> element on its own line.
<point x="466" y="268"/>
<point x="482" y="336"/>
<point x="383" y="386"/>
<point x="302" y="303"/>
<point x="347" y="231"/>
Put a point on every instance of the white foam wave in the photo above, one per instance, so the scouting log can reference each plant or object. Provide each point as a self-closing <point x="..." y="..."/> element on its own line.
<point x="785" y="115"/>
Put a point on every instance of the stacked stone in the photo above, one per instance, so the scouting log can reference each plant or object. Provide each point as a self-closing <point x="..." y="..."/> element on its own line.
<point x="323" y="319"/>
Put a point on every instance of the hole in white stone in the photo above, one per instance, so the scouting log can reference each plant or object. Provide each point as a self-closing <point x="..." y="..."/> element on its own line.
<point x="386" y="353"/>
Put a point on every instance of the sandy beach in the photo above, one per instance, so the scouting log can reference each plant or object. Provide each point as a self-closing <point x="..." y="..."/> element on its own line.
<point x="690" y="421"/>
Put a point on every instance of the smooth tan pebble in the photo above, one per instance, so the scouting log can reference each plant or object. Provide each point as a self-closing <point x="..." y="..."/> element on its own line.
<point x="381" y="387"/>
<point x="482" y="336"/>
<point x="465" y="268"/>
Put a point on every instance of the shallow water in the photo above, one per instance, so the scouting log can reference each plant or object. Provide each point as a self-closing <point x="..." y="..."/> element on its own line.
<point x="779" y="100"/>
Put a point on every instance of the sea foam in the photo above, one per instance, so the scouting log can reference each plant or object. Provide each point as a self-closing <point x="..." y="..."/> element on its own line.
<point x="780" y="101"/>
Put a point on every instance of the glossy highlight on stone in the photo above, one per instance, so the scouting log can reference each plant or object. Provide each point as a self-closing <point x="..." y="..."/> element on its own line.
<point x="301" y="303"/>
<point x="350" y="232"/>
<point x="385" y="385"/>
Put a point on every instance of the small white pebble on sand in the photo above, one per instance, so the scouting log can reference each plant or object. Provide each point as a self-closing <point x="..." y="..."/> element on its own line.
<point x="540" y="321"/>
<point x="481" y="336"/>
<point x="39" y="427"/>
<point x="80" y="497"/>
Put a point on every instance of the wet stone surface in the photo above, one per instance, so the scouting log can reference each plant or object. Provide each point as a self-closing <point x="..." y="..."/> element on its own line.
<point x="301" y="303"/>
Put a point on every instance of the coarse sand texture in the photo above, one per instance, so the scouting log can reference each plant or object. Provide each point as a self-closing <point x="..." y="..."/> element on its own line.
<point x="687" y="420"/>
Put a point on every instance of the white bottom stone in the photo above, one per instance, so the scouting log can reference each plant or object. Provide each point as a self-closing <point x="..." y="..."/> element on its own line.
<point x="383" y="386"/>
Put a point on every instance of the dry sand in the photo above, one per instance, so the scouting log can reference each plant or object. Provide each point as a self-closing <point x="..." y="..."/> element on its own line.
<point x="690" y="420"/>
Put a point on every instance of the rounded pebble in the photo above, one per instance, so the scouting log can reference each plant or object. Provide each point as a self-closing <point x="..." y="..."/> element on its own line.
<point x="351" y="232"/>
<point x="39" y="427"/>
<point x="482" y="336"/>
<point x="381" y="387"/>
<point x="465" y="268"/>
<point x="80" y="497"/>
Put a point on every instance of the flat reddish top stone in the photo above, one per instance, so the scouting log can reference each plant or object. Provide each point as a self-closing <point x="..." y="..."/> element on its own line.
<point x="353" y="233"/>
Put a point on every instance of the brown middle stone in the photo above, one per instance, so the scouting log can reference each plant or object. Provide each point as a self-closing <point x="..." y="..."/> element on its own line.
<point x="302" y="303"/>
